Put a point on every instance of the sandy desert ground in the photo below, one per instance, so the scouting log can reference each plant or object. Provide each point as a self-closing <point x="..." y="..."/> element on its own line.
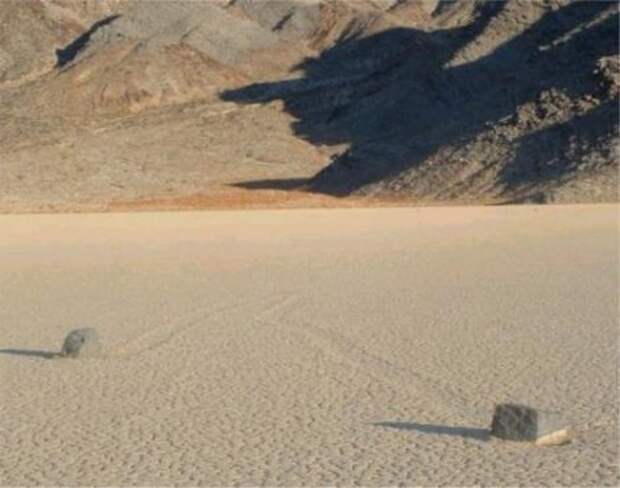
<point x="314" y="347"/>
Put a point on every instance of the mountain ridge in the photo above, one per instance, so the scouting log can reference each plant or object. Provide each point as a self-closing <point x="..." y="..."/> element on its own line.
<point x="422" y="102"/>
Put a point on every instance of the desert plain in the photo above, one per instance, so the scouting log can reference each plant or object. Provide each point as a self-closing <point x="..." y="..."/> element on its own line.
<point x="308" y="347"/>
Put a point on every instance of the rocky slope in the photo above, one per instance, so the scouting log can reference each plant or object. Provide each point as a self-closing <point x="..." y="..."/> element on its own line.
<point x="107" y="101"/>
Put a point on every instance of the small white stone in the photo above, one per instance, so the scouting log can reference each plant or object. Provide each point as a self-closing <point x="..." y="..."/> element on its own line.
<point x="556" y="438"/>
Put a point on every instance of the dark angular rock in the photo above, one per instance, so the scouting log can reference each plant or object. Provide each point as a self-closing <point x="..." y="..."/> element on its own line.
<point x="522" y="423"/>
<point x="81" y="343"/>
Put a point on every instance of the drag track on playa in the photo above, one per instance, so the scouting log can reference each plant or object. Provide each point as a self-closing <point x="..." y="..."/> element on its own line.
<point x="308" y="347"/>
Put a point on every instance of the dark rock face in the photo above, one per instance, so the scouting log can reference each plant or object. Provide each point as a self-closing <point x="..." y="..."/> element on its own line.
<point x="522" y="423"/>
<point x="514" y="422"/>
<point x="81" y="343"/>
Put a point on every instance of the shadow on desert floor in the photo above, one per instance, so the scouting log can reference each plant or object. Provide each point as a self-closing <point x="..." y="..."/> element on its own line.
<point x="29" y="353"/>
<point x="465" y="432"/>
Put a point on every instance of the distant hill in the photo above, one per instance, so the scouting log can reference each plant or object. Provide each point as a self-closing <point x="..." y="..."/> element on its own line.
<point x="107" y="101"/>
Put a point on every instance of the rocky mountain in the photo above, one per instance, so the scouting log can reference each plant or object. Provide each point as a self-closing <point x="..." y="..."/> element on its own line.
<point x="108" y="103"/>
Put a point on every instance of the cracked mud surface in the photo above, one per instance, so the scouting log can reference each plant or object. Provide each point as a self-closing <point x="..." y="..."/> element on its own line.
<point x="348" y="347"/>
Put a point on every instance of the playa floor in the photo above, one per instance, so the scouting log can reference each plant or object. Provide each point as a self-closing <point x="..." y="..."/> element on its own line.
<point x="308" y="347"/>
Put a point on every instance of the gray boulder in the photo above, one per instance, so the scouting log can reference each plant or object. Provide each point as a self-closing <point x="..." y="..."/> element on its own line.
<point x="522" y="423"/>
<point x="81" y="343"/>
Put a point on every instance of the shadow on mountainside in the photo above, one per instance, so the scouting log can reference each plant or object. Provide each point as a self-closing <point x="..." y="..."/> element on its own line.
<point x="396" y="100"/>
<point x="71" y="50"/>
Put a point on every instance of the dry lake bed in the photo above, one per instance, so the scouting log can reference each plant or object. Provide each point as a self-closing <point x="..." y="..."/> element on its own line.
<point x="308" y="347"/>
